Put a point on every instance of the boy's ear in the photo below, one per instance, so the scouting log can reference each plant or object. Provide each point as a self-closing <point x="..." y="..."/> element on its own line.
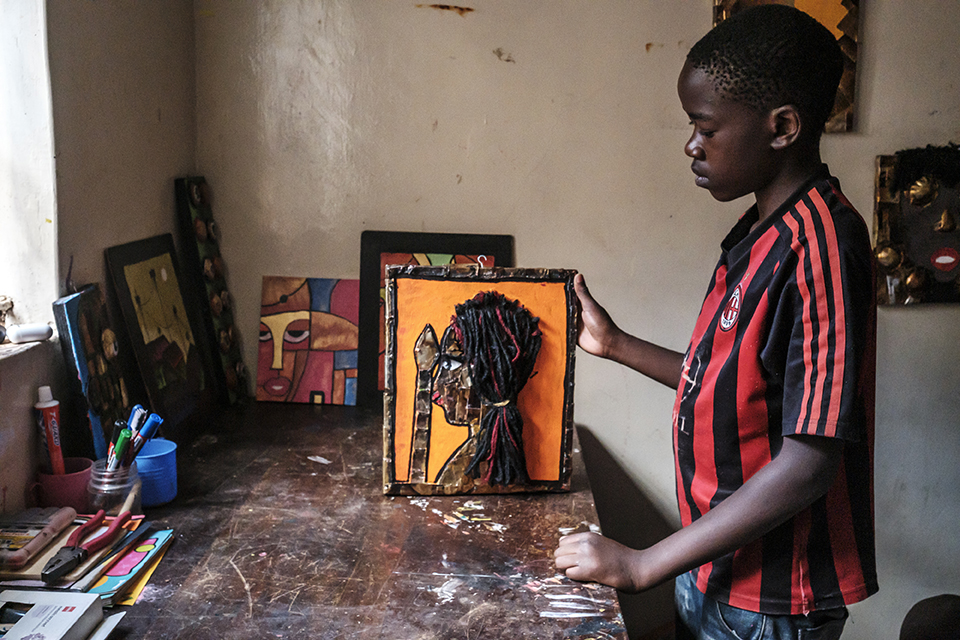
<point x="785" y="124"/>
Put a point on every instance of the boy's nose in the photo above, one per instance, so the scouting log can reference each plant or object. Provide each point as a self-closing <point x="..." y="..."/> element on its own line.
<point x="693" y="148"/>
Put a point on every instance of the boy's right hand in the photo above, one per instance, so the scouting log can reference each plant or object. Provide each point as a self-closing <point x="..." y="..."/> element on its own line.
<point x="595" y="328"/>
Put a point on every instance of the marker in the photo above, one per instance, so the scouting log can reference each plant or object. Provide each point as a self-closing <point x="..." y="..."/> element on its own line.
<point x="137" y="415"/>
<point x="149" y="428"/>
<point x="118" y="426"/>
<point x="120" y="450"/>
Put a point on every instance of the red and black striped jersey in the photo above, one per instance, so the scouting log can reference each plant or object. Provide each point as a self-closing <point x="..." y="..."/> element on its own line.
<point x="785" y="344"/>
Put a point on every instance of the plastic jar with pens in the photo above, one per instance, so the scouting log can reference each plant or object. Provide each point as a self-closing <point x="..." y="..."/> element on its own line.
<point x="114" y="491"/>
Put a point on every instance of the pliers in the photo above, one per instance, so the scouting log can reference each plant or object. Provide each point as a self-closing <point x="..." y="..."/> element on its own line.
<point x="74" y="553"/>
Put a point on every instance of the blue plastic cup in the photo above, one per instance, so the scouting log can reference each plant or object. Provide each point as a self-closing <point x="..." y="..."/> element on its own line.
<point x="157" y="466"/>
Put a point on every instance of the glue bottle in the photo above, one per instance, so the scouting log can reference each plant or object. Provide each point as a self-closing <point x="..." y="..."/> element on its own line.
<point x="48" y="419"/>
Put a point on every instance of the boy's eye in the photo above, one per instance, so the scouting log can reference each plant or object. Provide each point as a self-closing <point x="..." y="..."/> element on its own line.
<point x="706" y="133"/>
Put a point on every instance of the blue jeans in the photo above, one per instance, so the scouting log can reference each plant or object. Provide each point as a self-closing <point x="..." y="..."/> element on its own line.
<point x="702" y="618"/>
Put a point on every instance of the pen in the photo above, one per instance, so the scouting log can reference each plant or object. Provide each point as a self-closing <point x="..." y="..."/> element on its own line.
<point x="120" y="450"/>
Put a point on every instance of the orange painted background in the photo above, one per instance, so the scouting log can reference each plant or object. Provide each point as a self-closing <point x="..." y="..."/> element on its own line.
<point x="541" y="401"/>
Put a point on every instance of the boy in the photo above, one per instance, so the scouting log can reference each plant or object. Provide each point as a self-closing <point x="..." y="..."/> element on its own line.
<point x="773" y="422"/>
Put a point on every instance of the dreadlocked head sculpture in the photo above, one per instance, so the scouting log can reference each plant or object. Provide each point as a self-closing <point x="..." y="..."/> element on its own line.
<point x="487" y="354"/>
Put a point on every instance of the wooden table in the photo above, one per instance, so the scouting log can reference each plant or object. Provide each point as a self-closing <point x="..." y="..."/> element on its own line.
<point x="282" y="531"/>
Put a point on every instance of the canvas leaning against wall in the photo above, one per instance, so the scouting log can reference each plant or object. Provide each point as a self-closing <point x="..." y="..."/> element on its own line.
<point x="381" y="248"/>
<point x="91" y="349"/>
<point x="206" y="279"/>
<point x="308" y="340"/>
<point x="161" y="326"/>
<point x="480" y="366"/>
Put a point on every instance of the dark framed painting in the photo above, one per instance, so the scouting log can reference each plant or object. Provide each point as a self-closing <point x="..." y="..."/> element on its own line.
<point x="842" y="18"/>
<point x="307" y="348"/>
<point x="160" y="325"/>
<point x="480" y="377"/>
<point x="91" y="350"/>
<point x="917" y="226"/>
<point x="206" y="281"/>
<point x="381" y="248"/>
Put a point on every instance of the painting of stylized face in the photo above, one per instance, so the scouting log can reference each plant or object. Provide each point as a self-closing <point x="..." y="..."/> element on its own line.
<point x="438" y="408"/>
<point x="308" y="340"/>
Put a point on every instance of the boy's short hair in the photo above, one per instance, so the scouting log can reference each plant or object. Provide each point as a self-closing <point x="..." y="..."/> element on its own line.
<point x="773" y="55"/>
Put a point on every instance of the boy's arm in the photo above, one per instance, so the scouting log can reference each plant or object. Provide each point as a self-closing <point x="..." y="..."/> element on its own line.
<point x="599" y="335"/>
<point x="801" y="473"/>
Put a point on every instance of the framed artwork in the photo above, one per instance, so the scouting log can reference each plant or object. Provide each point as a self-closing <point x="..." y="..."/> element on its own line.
<point x="161" y="328"/>
<point x="91" y="349"/>
<point x="842" y="18"/>
<point x="206" y="281"/>
<point x="480" y="366"/>
<point x="381" y="248"/>
<point x="916" y="233"/>
<point x="308" y="340"/>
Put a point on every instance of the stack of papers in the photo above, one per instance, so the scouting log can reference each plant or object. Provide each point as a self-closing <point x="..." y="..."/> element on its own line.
<point x="27" y="615"/>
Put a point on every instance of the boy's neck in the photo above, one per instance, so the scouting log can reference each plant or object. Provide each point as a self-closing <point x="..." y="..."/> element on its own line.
<point x="795" y="170"/>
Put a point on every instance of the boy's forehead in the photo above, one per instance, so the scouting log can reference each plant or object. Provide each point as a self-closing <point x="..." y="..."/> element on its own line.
<point x="701" y="92"/>
<point x="698" y="88"/>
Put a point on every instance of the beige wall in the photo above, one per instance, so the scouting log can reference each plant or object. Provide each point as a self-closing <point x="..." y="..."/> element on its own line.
<point x="28" y="232"/>
<point x="124" y="122"/>
<point x="552" y="120"/>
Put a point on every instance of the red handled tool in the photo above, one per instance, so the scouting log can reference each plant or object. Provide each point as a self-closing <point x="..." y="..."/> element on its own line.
<point x="74" y="553"/>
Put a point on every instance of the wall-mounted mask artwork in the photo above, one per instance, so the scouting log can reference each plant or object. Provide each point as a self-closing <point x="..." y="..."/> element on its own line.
<point x="917" y="226"/>
<point x="308" y="340"/>
<point x="842" y="18"/>
<point x="479" y="375"/>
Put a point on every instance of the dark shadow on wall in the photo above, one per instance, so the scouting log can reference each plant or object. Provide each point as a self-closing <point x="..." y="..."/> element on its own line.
<point x="628" y="516"/>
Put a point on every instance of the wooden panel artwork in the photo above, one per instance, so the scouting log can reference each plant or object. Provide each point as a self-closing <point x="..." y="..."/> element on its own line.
<point x="479" y="379"/>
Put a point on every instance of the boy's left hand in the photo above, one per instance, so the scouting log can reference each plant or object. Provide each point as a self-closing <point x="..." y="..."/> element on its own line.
<point x="590" y="557"/>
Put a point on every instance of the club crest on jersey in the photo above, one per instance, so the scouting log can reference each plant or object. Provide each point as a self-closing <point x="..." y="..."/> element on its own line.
<point x="732" y="310"/>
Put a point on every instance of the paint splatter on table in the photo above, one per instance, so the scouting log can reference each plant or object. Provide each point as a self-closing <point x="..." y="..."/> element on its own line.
<point x="283" y="532"/>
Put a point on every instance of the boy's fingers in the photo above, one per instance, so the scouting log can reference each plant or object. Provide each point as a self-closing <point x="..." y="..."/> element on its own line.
<point x="580" y="286"/>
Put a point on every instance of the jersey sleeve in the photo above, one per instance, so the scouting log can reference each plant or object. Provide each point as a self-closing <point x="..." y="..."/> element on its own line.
<point x="832" y="338"/>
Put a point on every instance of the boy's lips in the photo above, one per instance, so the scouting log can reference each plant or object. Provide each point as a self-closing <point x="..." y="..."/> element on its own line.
<point x="701" y="180"/>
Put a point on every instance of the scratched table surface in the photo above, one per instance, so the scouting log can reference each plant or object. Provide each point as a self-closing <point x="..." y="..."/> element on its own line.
<point x="282" y="531"/>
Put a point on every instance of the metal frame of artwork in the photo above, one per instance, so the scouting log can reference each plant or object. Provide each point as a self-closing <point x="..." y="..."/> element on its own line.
<point x="445" y="414"/>
<point x="845" y="17"/>
<point x="307" y="351"/>
<point x="161" y="327"/>
<point x="917" y="226"/>
<point x="420" y="248"/>
<point x="206" y="280"/>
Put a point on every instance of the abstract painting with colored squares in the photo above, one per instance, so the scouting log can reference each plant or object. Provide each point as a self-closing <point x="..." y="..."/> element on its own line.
<point x="308" y="340"/>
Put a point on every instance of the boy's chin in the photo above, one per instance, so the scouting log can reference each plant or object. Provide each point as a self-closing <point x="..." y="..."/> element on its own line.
<point x="724" y="196"/>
